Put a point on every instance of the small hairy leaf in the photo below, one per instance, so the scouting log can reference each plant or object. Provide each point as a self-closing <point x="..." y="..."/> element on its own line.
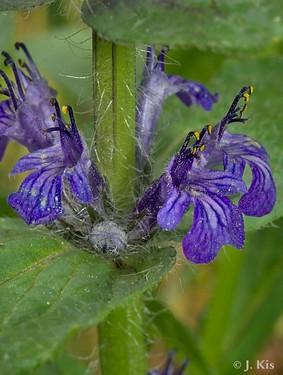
<point x="49" y="290"/>
<point x="219" y="24"/>
<point x="22" y="4"/>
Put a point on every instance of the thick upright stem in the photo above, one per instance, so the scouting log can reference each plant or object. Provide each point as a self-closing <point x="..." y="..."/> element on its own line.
<point x="122" y="344"/>
<point x="114" y="102"/>
<point x="121" y="336"/>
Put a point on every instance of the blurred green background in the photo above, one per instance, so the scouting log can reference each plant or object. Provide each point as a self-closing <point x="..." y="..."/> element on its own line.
<point x="227" y="311"/>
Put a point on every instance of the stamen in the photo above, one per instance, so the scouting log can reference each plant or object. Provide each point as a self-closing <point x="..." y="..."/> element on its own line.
<point x="50" y="130"/>
<point x="160" y="64"/>
<point x="9" y="61"/>
<point x="197" y="135"/>
<point x="242" y="94"/>
<point x="194" y="150"/>
<point x="150" y="58"/>
<point x="34" y="69"/>
<point x="54" y="103"/>
<point x="10" y="90"/>
<point x="24" y="65"/>
<point x="246" y="96"/>
<point x="242" y="110"/>
<point x="186" y="142"/>
<point x="205" y="129"/>
<point x="4" y="91"/>
<point x="235" y="112"/>
<point x="69" y="109"/>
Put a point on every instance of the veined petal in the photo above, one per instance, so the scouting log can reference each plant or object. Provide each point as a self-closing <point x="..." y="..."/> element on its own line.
<point x="171" y="213"/>
<point x="38" y="199"/>
<point x="260" y="198"/>
<point x="77" y="177"/>
<point x="50" y="156"/>
<point x="191" y="92"/>
<point x="235" y="167"/>
<point x="217" y="181"/>
<point x="217" y="222"/>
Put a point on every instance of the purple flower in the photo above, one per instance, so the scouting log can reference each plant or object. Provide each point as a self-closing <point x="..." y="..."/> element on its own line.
<point x="190" y="178"/>
<point x="169" y="369"/>
<point x="155" y="87"/>
<point x="217" y="221"/>
<point x="39" y="197"/>
<point x="26" y="113"/>
<point x="235" y="151"/>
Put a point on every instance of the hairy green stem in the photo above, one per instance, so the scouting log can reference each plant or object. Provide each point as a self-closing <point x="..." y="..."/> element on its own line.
<point x="114" y="108"/>
<point x="121" y="335"/>
<point x="121" y="338"/>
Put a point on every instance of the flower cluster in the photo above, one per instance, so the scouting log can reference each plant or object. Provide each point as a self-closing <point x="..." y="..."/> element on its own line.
<point x="191" y="177"/>
<point x="66" y="188"/>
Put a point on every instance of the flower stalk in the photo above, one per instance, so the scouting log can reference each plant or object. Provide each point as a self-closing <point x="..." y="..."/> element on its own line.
<point x="114" y="111"/>
<point x="122" y="345"/>
<point x="121" y="338"/>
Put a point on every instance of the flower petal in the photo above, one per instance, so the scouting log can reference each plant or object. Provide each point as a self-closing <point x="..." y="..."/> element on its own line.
<point x="50" y="156"/>
<point x="79" y="182"/>
<point x="216" y="181"/>
<point x="217" y="222"/>
<point x="260" y="198"/>
<point x="191" y="92"/>
<point x="171" y="213"/>
<point x="38" y="199"/>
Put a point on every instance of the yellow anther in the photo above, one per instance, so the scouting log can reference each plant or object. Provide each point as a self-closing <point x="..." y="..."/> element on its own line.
<point x="201" y="147"/>
<point x="246" y="96"/>
<point x="209" y="129"/>
<point x="196" y="135"/>
<point x="194" y="150"/>
<point x="65" y="109"/>
<point x="53" y="117"/>
<point x="251" y="89"/>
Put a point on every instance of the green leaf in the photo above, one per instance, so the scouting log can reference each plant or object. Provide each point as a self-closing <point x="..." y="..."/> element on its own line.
<point x="49" y="290"/>
<point x="264" y="113"/>
<point x="62" y="364"/>
<point x="220" y="24"/>
<point x="177" y="335"/>
<point x="22" y="4"/>
<point x="247" y="301"/>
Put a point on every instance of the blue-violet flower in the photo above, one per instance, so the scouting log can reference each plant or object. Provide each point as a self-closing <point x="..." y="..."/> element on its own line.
<point x="27" y="112"/>
<point x="235" y="151"/>
<point x="39" y="197"/>
<point x="155" y="87"/>
<point x="189" y="178"/>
